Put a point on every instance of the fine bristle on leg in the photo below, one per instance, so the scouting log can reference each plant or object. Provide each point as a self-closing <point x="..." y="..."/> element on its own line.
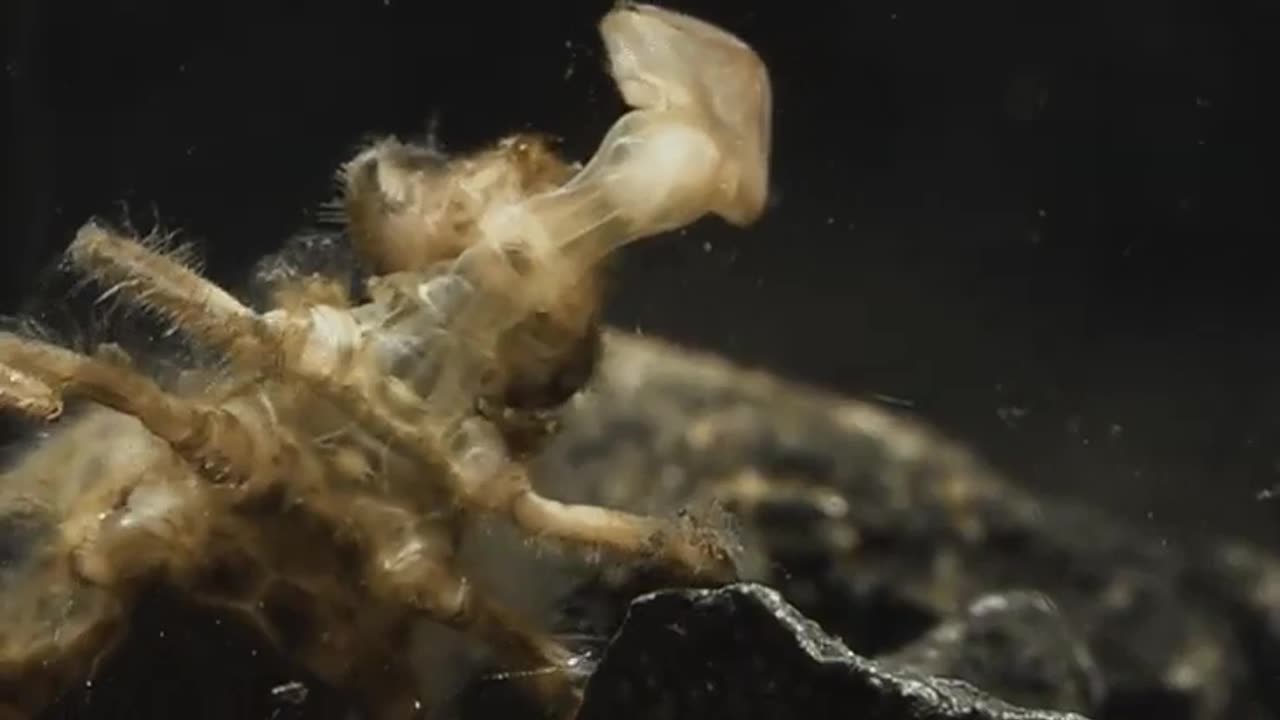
<point x="160" y="283"/>
<point x="695" y="553"/>
<point x="225" y="446"/>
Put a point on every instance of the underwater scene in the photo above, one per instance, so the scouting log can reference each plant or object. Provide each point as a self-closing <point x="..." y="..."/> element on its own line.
<point x="698" y="360"/>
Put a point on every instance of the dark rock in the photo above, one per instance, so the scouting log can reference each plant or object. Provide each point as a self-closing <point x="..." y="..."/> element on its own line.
<point x="1014" y="645"/>
<point x="880" y="529"/>
<point x="181" y="660"/>
<point x="743" y="653"/>
<point x="1245" y="582"/>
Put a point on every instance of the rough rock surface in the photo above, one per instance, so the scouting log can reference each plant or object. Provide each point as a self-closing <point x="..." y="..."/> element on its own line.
<point x="742" y="653"/>
<point x="1015" y="645"/>
<point x="881" y="530"/>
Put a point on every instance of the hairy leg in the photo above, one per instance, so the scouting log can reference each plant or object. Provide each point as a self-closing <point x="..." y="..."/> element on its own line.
<point x="323" y="350"/>
<point x="229" y="445"/>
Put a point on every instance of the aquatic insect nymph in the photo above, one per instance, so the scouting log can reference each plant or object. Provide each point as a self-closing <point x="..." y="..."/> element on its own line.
<point x="325" y="472"/>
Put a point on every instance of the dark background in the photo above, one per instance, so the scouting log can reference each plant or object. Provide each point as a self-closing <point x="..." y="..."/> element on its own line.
<point x="1045" y="226"/>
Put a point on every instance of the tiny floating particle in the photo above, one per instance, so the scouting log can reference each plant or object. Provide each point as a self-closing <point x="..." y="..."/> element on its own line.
<point x="294" y="693"/>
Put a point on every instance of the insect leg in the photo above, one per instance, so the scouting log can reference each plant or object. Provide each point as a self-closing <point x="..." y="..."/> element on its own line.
<point x="228" y="444"/>
<point x="490" y="482"/>
<point x="321" y="349"/>
<point x="697" y="552"/>
<point x="412" y="564"/>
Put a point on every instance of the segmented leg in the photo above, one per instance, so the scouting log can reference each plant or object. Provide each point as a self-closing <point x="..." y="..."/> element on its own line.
<point x="317" y="348"/>
<point x="227" y="447"/>
<point x="324" y="351"/>
<point x="697" y="551"/>
<point x="413" y="565"/>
